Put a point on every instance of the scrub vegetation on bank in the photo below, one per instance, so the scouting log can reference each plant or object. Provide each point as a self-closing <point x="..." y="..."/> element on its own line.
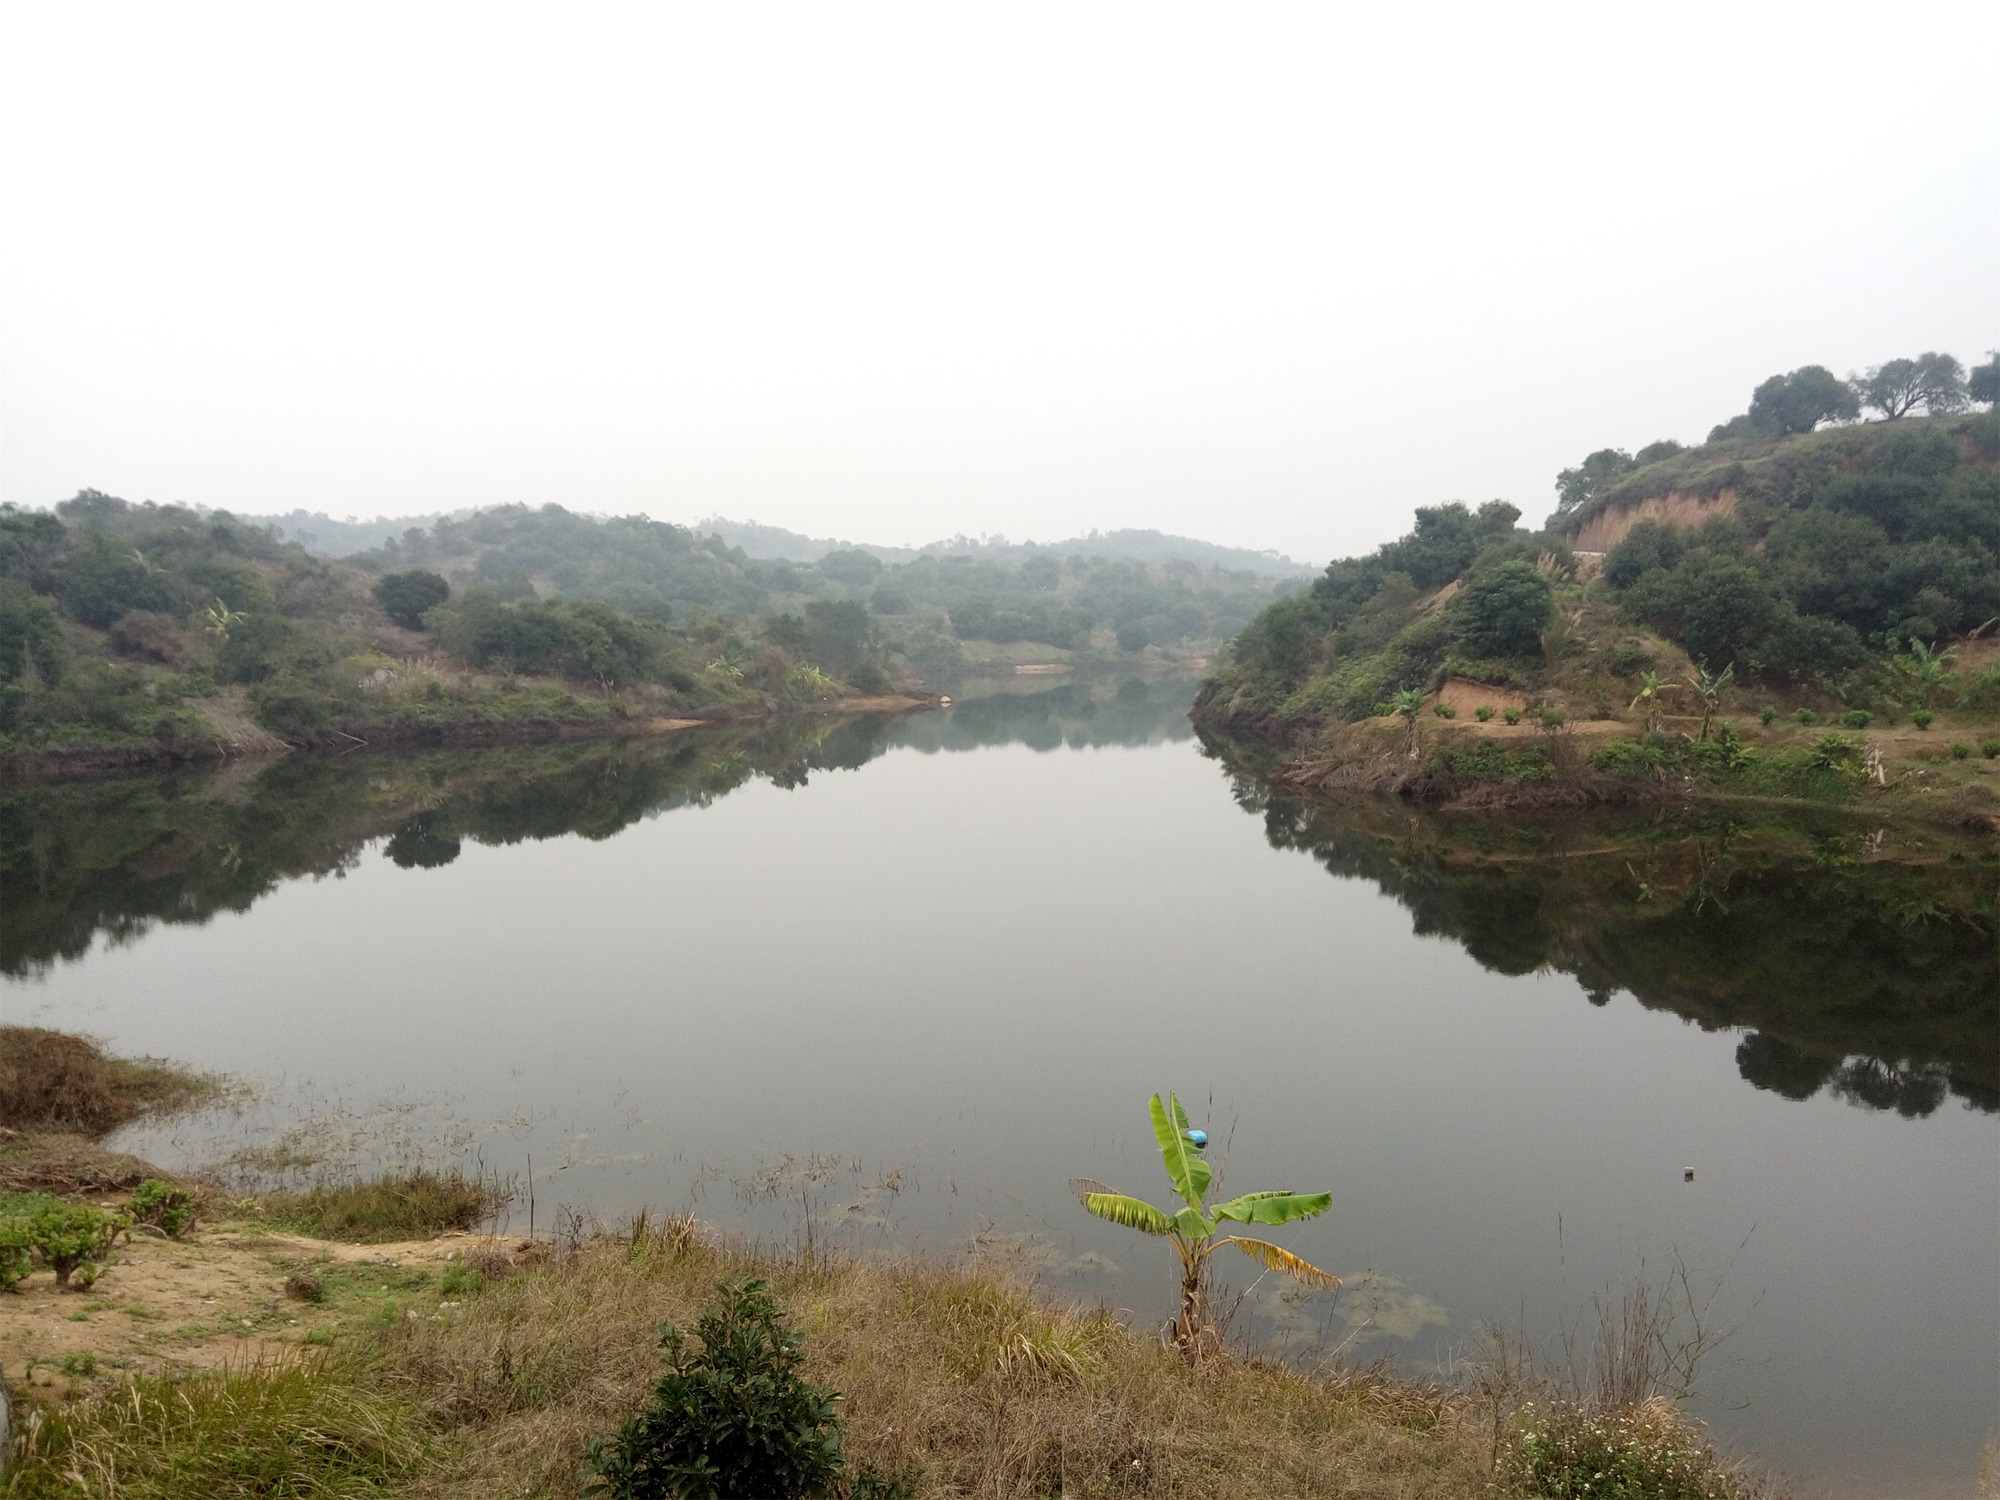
<point x="1779" y="612"/>
<point x="132" y="633"/>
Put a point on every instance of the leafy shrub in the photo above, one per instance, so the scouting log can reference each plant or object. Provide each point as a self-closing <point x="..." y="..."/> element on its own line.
<point x="1858" y="718"/>
<point x="1444" y="710"/>
<point x="736" y="1418"/>
<point x="1644" y="1452"/>
<point x="461" y="1280"/>
<point x="1921" y="718"/>
<point x="1960" y="750"/>
<point x="1503" y="610"/>
<point x="1767" y="715"/>
<point x="29" y="633"/>
<point x="1626" y="758"/>
<point x="1833" y="752"/>
<point x="1483" y="713"/>
<point x="72" y="1238"/>
<point x="1990" y="749"/>
<point x="16" y="1252"/>
<point x="167" y="1208"/>
<point x="1551" y="716"/>
<point x="405" y="596"/>
<point x="1511" y="715"/>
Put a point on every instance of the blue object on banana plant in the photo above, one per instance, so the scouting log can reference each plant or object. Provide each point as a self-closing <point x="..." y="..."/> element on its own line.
<point x="1199" y="1138"/>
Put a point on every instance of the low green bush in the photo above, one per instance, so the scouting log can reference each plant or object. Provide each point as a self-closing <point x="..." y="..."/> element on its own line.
<point x="1806" y="717"/>
<point x="736" y="1417"/>
<point x="164" y="1206"/>
<point x="1644" y="1452"/>
<point x="1551" y="717"/>
<point x="1483" y="712"/>
<point x="1990" y="749"/>
<point x="1767" y="715"/>
<point x="17" y="1257"/>
<point x="1858" y="718"/>
<point x="1444" y="710"/>
<point x="1922" y="718"/>
<point x="1960" y="750"/>
<point x="1511" y="715"/>
<point x="72" y="1239"/>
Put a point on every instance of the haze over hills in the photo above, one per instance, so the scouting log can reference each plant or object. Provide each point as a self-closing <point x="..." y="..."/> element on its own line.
<point x="325" y="536"/>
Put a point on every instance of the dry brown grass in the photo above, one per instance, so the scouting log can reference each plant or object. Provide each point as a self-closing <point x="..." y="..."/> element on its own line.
<point x="53" y="1081"/>
<point x="970" y="1378"/>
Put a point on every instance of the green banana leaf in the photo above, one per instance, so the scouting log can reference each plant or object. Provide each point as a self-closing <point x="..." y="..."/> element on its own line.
<point x="1281" y="1207"/>
<point x="1189" y="1172"/>
<point x="1189" y="1224"/>
<point x="1130" y="1212"/>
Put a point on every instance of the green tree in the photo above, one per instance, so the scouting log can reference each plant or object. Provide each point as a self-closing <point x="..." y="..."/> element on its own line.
<point x="1192" y="1230"/>
<point x="29" y="634"/>
<point x="1503" y="610"/>
<point x="1800" y="401"/>
<point x="1932" y="380"/>
<point x="405" y="597"/>
<point x="853" y="567"/>
<point x="1983" y="384"/>
<point x="1577" y="486"/>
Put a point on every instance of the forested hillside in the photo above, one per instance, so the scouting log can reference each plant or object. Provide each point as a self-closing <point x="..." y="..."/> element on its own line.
<point x="157" y="628"/>
<point x="1784" y="569"/>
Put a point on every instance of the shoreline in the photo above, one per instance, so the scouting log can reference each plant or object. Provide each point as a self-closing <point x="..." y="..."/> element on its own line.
<point x="1448" y="765"/>
<point x="99" y="760"/>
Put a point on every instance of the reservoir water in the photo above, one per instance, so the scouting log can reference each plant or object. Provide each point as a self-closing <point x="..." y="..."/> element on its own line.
<point x="898" y="979"/>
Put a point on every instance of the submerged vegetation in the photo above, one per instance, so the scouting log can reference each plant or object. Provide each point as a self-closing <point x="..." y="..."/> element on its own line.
<point x="1848" y="574"/>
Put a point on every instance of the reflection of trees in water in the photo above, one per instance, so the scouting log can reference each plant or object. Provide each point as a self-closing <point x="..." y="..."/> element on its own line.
<point x="80" y="859"/>
<point x="1876" y="981"/>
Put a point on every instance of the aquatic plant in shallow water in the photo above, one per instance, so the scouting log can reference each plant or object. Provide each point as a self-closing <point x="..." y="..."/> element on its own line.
<point x="1193" y="1230"/>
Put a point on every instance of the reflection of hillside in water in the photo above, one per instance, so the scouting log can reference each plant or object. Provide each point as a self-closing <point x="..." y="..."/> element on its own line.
<point x="1869" y="976"/>
<point x="114" y="857"/>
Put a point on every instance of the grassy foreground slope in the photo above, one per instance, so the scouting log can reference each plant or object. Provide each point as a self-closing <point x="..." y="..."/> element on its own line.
<point x="1808" y="615"/>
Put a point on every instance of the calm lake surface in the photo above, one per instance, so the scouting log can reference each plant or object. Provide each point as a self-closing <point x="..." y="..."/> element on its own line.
<point x="902" y="978"/>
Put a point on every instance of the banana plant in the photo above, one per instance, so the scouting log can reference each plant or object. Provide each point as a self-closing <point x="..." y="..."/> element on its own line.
<point x="1192" y="1230"/>
<point x="1709" y="687"/>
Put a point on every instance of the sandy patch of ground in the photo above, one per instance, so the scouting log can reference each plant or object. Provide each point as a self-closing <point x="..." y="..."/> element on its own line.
<point x="217" y="1298"/>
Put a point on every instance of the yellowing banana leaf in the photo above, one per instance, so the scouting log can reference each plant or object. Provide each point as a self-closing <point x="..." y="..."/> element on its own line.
<point x="1273" y="1208"/>
<point x="1083" y="1187"/>
<point x="1277" y="1258"/>
<point x="1130" y="1212"/>
<point x="1184" y="1164"/>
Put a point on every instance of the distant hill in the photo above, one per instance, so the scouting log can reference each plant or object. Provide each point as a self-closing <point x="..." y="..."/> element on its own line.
<point x="323" y="536"/>
<point x="1145" y="546"/>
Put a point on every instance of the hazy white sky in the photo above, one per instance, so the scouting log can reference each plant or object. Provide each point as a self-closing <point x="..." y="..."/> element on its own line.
<point x="1269" y="275"/>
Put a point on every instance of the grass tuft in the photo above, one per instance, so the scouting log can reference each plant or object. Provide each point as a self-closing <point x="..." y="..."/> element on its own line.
<point x="406" y="1206"/>
<point x="307" y="1431"/>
